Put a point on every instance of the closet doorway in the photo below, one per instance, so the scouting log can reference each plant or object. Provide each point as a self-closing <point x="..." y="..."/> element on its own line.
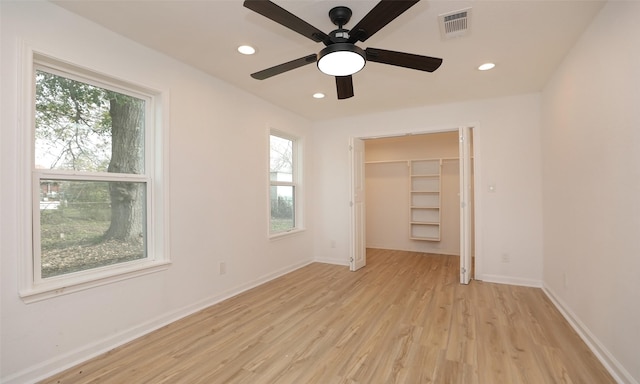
<point x="414" y="188"/>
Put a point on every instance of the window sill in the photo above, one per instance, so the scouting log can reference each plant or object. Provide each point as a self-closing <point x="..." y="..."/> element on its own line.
<point x="66" y="285"/>
<point x="282" y="235"/>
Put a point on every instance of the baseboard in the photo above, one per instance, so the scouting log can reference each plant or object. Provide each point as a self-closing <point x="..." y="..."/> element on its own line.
<point x="332" y="261"/>
<point x="619" y="373"/>
<point x="447" y="252"/>
<point x="510" y="280"/>
<point x="73" y="358"/>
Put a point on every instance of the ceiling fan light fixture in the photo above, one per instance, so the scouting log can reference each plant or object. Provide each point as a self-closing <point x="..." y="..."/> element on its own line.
<point x="341" y="59"/>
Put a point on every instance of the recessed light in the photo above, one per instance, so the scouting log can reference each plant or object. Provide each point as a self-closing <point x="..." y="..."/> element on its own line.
<point x="486" y="66"/>
<point x="318" y="95"/>
<point x="246" y="50"/>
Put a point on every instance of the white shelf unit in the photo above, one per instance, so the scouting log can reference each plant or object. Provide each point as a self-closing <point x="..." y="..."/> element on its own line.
<point x="425" y="178"/>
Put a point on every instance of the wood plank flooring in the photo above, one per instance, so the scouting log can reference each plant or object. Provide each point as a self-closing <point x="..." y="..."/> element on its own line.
<point x="402" y="319"/>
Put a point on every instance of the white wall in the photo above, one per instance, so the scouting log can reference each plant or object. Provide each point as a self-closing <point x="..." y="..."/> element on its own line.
<point x="218" y="158"/>
<point x="507" y="143"/>
<point x="591" y="178"/>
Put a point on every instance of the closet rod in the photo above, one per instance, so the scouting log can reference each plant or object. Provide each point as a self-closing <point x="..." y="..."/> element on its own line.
<point x="408" y="160"/>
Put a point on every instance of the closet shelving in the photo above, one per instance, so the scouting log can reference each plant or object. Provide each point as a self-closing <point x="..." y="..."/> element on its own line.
<point x="425" y="191"/>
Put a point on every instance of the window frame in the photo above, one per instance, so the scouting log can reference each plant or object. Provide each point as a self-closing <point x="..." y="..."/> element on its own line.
<point x="296" y="183"/>
<point x="155" y="177"/>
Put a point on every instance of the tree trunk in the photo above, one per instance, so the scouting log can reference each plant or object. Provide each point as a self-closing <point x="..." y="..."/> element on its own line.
<point x="127" y="153"/>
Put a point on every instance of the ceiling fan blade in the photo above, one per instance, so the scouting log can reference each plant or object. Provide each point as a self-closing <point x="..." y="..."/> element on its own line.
<point x="382" y="14"/>
<point x="344" y="85"/>
<point x="278" y="69"/>
<point x="401" y="59"/>
<point x="285" y="18"/>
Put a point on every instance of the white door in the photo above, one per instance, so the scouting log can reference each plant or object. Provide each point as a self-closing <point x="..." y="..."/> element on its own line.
<point x="358" y="257"/>
<point x="465" y="205"/>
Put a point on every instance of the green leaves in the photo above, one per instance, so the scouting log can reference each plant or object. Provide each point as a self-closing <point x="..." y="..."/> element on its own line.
<point x="74" y="124"/>
<point x="70" y="130"/>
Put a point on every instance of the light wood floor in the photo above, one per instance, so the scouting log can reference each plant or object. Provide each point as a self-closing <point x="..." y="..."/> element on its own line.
<point x="402" y="319"/>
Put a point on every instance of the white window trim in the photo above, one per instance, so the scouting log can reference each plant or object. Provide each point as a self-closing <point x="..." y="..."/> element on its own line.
<point x="298" y="166"/>
<point x="31" y="288"/>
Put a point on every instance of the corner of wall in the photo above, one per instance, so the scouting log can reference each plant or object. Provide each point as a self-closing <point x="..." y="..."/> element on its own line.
<point x="613" y="366"/>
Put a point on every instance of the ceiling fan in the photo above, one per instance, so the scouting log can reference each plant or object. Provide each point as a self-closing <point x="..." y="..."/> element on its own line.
<point x="341" y="57"/>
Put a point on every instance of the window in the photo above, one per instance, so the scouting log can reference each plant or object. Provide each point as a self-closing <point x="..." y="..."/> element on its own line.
<point x="94" y="153"/>
<point x="284" y="188"/>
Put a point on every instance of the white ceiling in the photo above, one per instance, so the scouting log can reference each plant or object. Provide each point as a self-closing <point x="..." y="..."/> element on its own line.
<point x="526" y="39"/>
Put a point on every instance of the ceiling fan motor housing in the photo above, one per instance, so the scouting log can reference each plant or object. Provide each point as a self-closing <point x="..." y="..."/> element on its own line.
<point x="340" y="16"/>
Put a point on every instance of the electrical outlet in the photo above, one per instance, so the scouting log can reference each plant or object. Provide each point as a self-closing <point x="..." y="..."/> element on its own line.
<point x="223" y="268"/>
<point x="333" y="243"/>
<point x="505" y="258"/>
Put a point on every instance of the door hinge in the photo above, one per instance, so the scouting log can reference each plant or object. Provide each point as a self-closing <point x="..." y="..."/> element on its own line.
<point x="463" y="270"/>
<point x="350" y="147"/>
<point x="461" y="139"/>
<point x="351" y="203"/>
<point x="351" y="260"/>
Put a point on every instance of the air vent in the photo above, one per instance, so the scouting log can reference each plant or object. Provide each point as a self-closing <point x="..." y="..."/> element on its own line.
<point x="455" y="24"/>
